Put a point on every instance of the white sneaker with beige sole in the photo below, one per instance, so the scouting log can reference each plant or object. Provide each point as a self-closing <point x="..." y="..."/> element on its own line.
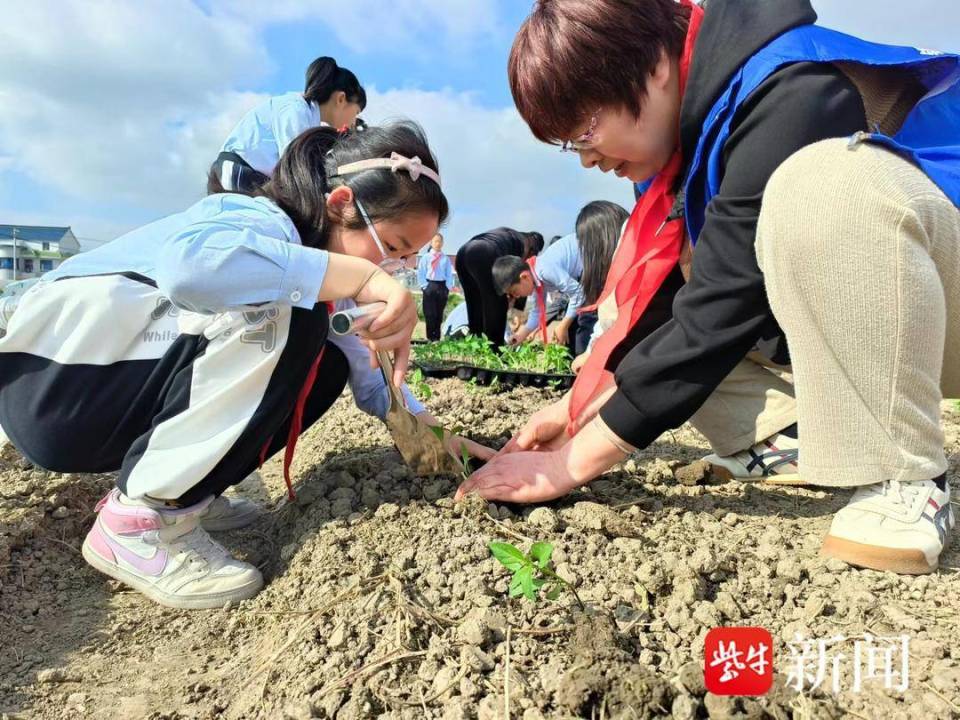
<point x="901" y="527"/>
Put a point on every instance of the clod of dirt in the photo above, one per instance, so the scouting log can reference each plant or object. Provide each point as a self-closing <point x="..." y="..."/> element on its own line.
<point x="697" y="473"/>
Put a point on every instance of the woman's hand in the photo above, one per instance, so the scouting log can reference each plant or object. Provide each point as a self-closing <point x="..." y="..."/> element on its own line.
<point x="526" y="477"/>
<point x="545" y="430"/>
<point x="522" y="477"/>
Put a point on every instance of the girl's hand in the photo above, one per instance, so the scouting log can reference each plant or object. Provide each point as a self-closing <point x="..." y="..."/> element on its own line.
<point x="579" y="361"/>
<point x="475" y="449"/>
<point x="392" y="328"/>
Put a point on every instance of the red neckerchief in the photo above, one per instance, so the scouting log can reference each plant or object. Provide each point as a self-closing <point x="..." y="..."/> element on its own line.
<point x="648" y="252"/>
<point x="435" y="263"/>
<point x="541" y="297"/>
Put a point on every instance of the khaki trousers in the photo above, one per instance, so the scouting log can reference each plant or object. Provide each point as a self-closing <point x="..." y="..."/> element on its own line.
<point x="861" y="257"/>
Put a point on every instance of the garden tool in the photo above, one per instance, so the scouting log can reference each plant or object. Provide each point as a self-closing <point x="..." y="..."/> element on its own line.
<point x="423" y="447"/>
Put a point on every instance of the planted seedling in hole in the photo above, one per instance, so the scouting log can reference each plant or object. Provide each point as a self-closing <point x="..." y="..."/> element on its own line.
<point x="532" y="572"/>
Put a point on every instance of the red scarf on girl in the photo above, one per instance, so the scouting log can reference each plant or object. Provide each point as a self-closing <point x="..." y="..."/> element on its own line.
<point x="648" y="252"/>
<point x="539" y="291"/>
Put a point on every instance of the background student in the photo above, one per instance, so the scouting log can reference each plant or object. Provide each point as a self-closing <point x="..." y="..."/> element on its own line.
<point x="435" y="279"/>
<point x="486" y="308"/>
<point x="332" y="96"/>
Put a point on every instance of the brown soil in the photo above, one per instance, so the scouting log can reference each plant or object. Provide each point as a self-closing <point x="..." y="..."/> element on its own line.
<point x="383" y="601"/>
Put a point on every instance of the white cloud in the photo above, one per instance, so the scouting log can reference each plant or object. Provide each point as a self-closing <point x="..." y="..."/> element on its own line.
<point x="118" y="100"/>
<point x="116" y="103"/>
<point x="422" y="28"/>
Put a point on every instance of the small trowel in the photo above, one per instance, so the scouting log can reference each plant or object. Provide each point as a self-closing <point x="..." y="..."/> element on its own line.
<point x="424" y="448"/>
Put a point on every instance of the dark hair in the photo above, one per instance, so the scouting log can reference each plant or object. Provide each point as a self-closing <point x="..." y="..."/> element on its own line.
<point x="571" y="57"/>
<point x="325" y="77"/>
<point x="307" y="172"/>
<point x="532" y="244"/>
<point x="598" y="229"/>
<point x="506" y="272"/>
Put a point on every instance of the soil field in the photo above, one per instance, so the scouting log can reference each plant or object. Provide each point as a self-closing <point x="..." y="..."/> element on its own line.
<point x="383" y="600"/>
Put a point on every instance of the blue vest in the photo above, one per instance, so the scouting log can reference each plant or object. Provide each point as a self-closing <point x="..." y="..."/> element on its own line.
<point x="930" y="136"/>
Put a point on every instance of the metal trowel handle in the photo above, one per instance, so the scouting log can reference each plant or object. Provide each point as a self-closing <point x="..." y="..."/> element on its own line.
<point x="351" y="320"/>
<point x="386" y="367"/>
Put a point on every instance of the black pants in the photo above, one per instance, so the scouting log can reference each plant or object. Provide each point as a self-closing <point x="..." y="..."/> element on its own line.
<point x="234" y="174"/>
<point x="435" y="296"/>
<point x="486" y="310"/>
<point x="76" y="415"/>
<point x="580" y="332"/>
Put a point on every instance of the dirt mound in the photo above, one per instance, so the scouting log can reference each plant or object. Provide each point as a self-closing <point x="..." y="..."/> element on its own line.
<point x="383" y="600"/>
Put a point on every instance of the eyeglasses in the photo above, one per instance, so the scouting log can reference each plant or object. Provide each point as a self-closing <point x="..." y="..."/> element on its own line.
<point x="585" y="141"/>
<point x="391" y="266"/>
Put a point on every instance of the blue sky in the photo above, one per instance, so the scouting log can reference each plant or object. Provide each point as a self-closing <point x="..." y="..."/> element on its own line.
<point x="111" y="111"/>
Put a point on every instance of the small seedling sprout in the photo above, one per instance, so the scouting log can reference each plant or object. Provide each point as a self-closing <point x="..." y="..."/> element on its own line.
<point x="532" y="572"/>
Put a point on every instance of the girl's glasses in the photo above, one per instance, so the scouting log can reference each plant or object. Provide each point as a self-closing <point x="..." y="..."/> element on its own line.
<point x="585" y="141"/>
<point x="391" y="266"/>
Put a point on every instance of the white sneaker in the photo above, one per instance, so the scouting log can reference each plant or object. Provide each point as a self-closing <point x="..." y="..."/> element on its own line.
<point x="228" y="513"/>
<point x="773" y="460"/>
<point x="166" y="555"/>
<point x="897" y="526"/>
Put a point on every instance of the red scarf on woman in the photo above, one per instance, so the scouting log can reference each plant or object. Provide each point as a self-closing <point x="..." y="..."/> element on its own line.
<point x="648" y="252"/>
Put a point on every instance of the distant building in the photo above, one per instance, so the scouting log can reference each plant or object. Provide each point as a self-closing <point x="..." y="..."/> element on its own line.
<point x="28" y="251"/>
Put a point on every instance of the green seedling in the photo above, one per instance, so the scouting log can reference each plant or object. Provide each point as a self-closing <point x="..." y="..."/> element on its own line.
<point x="479" y="352"/>
<point x="419" y="385"/>
<point x="532" y="572"/>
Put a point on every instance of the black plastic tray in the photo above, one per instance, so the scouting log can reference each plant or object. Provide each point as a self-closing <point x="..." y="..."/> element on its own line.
<point x="440" y="372"/>
<point x="483" y="376"/>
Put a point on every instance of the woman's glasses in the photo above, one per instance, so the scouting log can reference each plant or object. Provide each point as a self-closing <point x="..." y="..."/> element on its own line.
<point x="585" y="141"/>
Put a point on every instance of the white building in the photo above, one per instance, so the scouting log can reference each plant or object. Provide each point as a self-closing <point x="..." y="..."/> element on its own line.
<point x="28" y="251"/>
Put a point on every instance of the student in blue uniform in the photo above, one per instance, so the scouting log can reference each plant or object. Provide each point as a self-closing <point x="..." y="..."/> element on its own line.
<point x="804" y="211"/>
<point x="574" y="267"/>
<point x="332" y="96"/>
<point x="435" y="279"/>
<point x="486" y="308"/>
<point x="186" y="352"/>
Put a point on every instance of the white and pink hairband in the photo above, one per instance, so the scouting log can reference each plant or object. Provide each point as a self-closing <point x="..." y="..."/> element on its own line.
<point x="395" y="163"/>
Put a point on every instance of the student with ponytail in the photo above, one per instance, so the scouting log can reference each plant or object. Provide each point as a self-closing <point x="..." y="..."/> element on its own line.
<point x="186" y="352"/>
<point x="332" y="97"/>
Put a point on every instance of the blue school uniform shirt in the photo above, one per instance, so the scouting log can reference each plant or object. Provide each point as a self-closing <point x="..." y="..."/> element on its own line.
<point x="425" y="271"/>
<point x="231" y="252"/>
<point x="263" y="133"/>
<point x="559" y="269"/>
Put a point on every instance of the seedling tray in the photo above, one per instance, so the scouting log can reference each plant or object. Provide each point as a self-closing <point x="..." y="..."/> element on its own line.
<point x="440" y="372"/>
<point x="485" y="376"/>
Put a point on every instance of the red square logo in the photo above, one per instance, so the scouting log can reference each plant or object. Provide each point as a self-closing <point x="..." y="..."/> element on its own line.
<point x="738" y="661"/>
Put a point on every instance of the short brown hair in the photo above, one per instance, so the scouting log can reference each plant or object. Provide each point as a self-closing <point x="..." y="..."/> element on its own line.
<point x="571" y="57"/>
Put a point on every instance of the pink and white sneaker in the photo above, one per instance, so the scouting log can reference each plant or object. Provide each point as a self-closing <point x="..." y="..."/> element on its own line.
<point x="166" y="555"/>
